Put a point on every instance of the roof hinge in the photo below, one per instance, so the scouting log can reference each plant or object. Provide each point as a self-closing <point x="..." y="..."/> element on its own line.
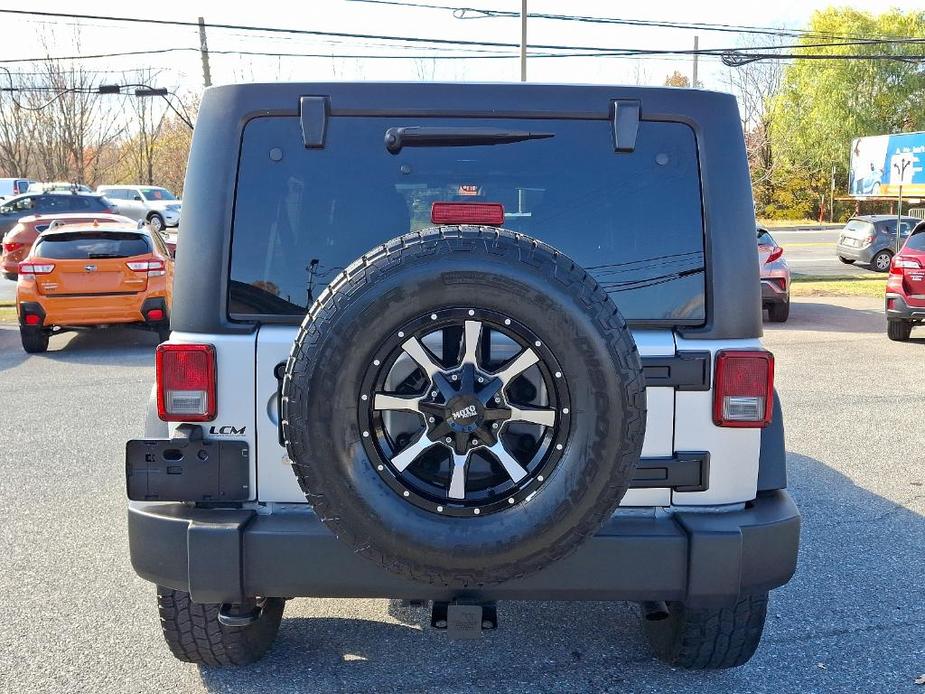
<point x="314" y="112"/>
<point x="625" y="124"/>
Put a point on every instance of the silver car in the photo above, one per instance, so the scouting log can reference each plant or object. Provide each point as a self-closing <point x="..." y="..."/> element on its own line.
<point x="156" y="206"/>
<point x="871" y="240"/>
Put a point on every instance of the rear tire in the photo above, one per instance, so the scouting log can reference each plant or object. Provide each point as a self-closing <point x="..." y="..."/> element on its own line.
<point x="881" y="261"/>
<point x="708" y="639"/>
<point x="11" y="276"/>
<point x="778" y="313"/>
<point x="33" y="341"/>
<point x="846" y="261"/>
<point x="194" y="634"/>
<point x="898" y="330"/>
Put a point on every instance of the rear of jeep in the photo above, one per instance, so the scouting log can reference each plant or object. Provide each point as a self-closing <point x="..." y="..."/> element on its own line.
<point x="462" y="344"/>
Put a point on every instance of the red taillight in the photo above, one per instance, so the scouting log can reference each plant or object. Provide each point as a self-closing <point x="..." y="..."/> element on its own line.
<point x="30" y="268"/>
<point x="185" y="382"/>
<point x="743" y="388"/>
<point x="156" y="314"/>
<point x="775" y="254"/>
<point x="491" y="213"/>
<point x="12" y="246"/>
<point x="154" y="268"/>
<point x="905" y="263"/>
<point x="32" y="319"/>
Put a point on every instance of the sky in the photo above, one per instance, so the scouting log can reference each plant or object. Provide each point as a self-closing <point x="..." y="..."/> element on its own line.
<point x="26" y="37"/>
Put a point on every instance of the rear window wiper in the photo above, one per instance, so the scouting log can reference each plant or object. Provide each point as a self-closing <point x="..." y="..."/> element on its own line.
<point x="93" y="256"/>
<point x="417" y="136"/>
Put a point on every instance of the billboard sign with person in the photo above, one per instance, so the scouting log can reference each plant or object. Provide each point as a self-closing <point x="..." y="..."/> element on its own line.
<point x="882" y="163"/>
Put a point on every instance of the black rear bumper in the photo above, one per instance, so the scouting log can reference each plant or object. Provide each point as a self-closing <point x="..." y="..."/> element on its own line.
<point x="900" y="310"/>
<point x="705" y="559"/>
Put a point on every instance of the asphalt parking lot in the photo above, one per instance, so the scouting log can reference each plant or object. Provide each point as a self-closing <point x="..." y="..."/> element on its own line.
<point x="77" y="619"/>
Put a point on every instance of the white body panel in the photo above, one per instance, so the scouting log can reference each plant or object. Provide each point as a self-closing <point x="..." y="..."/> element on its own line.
<point x="733" y="452"/>
<point x="676" y="421"/>
<point x="234" y="356"/>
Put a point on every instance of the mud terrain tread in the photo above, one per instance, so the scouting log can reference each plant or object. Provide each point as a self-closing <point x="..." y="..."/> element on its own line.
<point x="558" y="268"/>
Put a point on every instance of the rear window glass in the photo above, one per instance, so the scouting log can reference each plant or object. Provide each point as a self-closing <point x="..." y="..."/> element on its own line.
<point x="916" y="242"/>
<point x="858" y="225"/>
<point x="765" y="239"/>
<point x="634" y="220"/>
<point x="91" y="244"/>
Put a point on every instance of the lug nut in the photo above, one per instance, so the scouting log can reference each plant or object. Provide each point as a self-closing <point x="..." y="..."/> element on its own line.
<point x="431" y="420"/>
<point x="433" y="393"/>
<point x="475" y="442"/>
<point x="448" y="439"/>
<point x="481" y="380"/>
<point x="498" y="399"/>
<point x="494" y="425"/>
<point x="454" y="377"/>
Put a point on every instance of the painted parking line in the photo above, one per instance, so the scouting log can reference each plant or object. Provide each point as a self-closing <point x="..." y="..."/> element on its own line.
<point x="807" y="243"/>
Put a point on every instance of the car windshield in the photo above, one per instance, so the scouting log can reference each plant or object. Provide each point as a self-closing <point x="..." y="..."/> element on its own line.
<point x="633" y="220"/>
<point x="83" y="245"/>
<point x="157" y="194"/>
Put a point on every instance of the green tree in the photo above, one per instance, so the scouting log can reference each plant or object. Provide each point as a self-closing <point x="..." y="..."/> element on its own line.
<point x="824" y="104"/>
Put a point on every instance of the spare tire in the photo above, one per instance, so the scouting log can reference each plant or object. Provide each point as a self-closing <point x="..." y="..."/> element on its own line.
<point x="464" y="405"/>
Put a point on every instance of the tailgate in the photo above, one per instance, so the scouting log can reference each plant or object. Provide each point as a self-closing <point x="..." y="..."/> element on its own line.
<point x="92" y="276"/>
<point x="276" y="481"/>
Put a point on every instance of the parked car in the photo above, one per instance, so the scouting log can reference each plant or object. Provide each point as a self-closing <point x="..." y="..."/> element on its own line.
<point x="775" y="277"/>
<point x="157" y="206"/>
<point x="18" y="241"/>
<point x="84" y="276"/>
<point x="14" y="209"/>
<point x="905" y="287"/>
<point x="58" y="187"/>
<point x="579" y="411"/>
<point x="871" y="240"/>
<point x="10" y="187"/>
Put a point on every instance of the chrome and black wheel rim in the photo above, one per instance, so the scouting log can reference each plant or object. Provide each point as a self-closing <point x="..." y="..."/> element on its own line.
<point x="464" y="412"/>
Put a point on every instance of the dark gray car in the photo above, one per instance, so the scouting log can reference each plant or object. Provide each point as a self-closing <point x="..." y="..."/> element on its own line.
<point x="871" y="240"/>
<point x="12" y="210"/>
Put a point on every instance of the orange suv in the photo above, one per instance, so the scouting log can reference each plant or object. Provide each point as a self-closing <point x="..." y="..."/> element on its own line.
<point x="19" y="239"/>
<point x="93" y="275"/>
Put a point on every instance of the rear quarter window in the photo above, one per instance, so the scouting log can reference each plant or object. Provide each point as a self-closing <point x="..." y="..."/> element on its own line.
<point x="633" y="220"/>
<point x="86" y="245"/>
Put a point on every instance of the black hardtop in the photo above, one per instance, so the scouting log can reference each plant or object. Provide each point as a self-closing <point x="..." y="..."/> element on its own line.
<point x="732" y="285"/>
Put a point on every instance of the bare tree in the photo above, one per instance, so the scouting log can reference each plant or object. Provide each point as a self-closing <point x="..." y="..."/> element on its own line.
<point x="17" y="129"/>
<point x="755" y="85"/>
<point x="149" y="115"/>
<point x="425" y="68"/>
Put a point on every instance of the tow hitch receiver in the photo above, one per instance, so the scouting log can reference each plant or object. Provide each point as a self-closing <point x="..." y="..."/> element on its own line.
<point x="464" y="620"/>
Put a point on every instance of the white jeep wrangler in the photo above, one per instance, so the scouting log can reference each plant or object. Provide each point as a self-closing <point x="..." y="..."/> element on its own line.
<point x="461" y="344"/>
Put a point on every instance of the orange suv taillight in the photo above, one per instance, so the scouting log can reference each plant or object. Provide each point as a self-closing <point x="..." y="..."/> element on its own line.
<point x="154" y="268"/>
<point x="743" y="388"/>
<point x="185" y="382"/>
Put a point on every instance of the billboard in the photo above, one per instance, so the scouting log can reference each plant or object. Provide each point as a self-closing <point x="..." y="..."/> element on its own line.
<point x="881" y="163"/>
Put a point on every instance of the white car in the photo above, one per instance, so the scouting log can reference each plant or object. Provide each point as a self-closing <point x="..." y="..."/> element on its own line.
<point x="157" y="206"/>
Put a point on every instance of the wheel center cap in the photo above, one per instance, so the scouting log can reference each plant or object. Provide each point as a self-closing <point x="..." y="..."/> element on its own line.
<point x="464" y="413"/>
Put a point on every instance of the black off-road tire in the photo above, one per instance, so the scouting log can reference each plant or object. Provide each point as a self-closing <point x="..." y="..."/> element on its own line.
<point x="194" y="634"/>
<point x="779" y="313"/>
<point x="898" y="330"/>
<point x="846" y="261"/>
<point x="480" y="268"/>
<point x="33" y="341"/>
<point x="708" y="639"/>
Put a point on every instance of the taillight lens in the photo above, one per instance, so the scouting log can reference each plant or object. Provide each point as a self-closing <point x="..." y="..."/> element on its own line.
<point x="12" y="246"/>
<point x="775" y="254"/>
<point x="904" y="263"/>
<point x="154" y="268"/>
<point x="31" y="269"/>
<point x="185" y="382"/>
<point x="491" y="213"/>
<point x="743" y="388"/>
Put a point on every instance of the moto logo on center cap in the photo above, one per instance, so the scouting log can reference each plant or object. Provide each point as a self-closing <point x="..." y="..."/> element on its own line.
<point x="465" y="412"/>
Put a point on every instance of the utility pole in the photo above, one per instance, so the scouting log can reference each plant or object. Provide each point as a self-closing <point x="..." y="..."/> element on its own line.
<point x="204" y="50"/>
<point x="523" y="40"/>
<point x="694" y="76"/>
<point x="832" y="195"/>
